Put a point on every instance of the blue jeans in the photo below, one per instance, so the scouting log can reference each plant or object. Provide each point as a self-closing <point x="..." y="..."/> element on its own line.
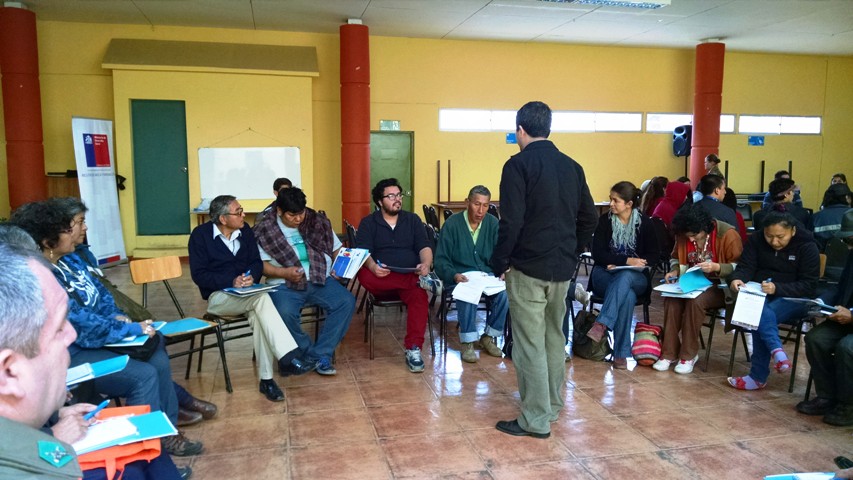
<point x="160" y="468"/>
<point x="620" y="291"/>
<point x="765" y="339"/>
<point x="141" y="383"/>
<point x="467" y="316"/>
<point x="332" y="297"/>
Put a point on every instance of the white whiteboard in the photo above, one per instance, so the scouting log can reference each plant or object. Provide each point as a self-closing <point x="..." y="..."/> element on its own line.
<point x="246" y="173"/>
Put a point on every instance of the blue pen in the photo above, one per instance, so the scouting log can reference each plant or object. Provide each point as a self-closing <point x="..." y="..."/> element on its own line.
<point x="97" y="409"/>
<point x="248" y="273"/>
<point x="768" y="280"/>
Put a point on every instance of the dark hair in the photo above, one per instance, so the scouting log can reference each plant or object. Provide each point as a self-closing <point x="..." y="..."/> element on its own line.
<point x="479" y="190"/>
<point x="779" y="187"/>
<point x="841" y="176"/>
<point x="535" y="119"/>
<point x="380" y="187"/>
<point x="683" y="179"/>
<point x="219" y="207"/>
<point x="42" y="222"/>
<point x="780" y="174"/>
<point x="291" y="200"/>
<point x="281" y="182"/>
<point x="838" y="194"/>
<point x="655" y="190"/>
<point x="774" y="217"/>
<point x="709" y="183"/>
<point x="628" y="192"/>
<point x="693" y="219"/>
<point x="713" y="158"/>
<point x="68" y="205"/>
<point x="730" y="200"/>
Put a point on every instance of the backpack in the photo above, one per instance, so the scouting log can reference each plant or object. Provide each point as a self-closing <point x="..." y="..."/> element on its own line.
<point x="582" y="345"/>
<point x="646" y="349"/>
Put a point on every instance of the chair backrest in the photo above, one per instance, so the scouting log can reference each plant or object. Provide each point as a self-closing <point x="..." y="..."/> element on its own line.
<point x="432" y="219"/>
<point x="493" y="209"/>
<point x="745" y="211"/>
<point x="350" y="234"/>
<point x="836" y="258"/>
<point x="447" y="213"/>
<point x="149" y="270"/>
<point x="665" y="238"/>
<point x="432" y="236"/>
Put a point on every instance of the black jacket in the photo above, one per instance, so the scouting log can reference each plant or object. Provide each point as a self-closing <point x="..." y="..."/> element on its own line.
<point x="794" y="269"/>
<point x="647" y="243"/>
<point x="842" y="293"/>
<point x="547" y="213"/>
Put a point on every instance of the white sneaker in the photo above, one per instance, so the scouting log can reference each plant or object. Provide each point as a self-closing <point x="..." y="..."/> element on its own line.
<point x="662" y="365"/>
<point x="581" y="295"/>
<point x="686" y="366"/>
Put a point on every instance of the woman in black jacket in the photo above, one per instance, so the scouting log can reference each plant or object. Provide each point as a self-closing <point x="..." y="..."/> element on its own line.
<point x="785" y="260"/>
<point x="624" y="237"/>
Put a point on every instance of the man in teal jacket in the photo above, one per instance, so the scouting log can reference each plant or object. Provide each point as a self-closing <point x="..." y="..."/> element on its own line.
<point x="465" y="245"/>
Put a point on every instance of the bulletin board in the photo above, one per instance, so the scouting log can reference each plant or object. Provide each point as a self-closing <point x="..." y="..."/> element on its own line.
<point x="246" y="173"/>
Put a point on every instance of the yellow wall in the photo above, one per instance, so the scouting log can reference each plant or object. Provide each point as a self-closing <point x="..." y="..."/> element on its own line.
<point x="412" y="78"/>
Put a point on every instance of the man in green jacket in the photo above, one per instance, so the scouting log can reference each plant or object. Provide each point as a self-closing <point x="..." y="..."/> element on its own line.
<point x="464" y="247"/>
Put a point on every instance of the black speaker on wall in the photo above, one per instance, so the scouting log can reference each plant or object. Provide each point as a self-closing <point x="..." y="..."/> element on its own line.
<point x="681" y="140"/>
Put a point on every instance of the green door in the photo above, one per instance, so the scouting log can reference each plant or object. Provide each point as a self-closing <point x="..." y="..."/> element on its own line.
<point x="159" y="129"/>
<point x="392" y="156"/>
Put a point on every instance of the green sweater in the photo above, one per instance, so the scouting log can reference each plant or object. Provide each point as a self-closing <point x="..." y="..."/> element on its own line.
<point x="456" y="252"/>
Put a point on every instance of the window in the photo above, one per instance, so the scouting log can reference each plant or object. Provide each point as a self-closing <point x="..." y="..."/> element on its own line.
<point x="465" y="120"/>
<point x="666" y="122"/>
<point x="777" y="125"/>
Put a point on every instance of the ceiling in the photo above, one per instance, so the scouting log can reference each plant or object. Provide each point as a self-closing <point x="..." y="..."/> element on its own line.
<point x="784" y="26"/>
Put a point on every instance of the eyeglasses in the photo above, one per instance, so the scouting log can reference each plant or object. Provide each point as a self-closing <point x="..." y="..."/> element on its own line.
<point x="394" y="196"/>
<point x="81" y="222"/>
<point x="238" y="212"/>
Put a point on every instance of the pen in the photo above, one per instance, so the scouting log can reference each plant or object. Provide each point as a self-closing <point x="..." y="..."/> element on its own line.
<point x="768" y="280"/>
<point x="97" y="409"/>
<point x="671" y="280"/>
<point x="248" y="273"/>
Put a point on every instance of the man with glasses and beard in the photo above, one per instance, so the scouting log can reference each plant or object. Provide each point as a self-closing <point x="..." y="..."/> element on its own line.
<point x="399" y="253"/>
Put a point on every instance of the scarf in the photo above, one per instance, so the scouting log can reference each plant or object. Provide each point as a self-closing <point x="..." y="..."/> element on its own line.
<point x="624" y="238"/>
<point x="708" y="252"/>
<point x="316" y="232"/>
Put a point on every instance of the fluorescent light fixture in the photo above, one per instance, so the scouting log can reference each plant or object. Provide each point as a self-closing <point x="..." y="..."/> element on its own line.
<point x="617" y="3"/>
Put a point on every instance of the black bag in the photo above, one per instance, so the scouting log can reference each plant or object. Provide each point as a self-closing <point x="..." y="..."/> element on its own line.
<point x="584" y="346"/>
<point x="142" y="352"/>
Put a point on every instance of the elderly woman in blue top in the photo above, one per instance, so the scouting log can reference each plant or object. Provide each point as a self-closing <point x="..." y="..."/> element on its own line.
<point x="624" y="237"/>
<point x="784" y="259"/>
<point x="97" y="320"/>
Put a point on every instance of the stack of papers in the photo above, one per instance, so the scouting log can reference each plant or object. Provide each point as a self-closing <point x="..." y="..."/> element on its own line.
<point x="184" y="325"/>
<point x="123" y="430"/>
<point x="136" y="341"/>
<point x="88" y="371"/>
<point x="690" y="285"/>
<point x="824" y="308"/>
<point x="349" y="261"/>
<point x="247" y="291"/>
<point x="478" y="283"/>
<point x="748" y="306"/>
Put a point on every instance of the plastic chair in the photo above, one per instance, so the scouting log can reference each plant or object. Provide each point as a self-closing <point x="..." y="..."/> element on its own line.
<point x="370" y="319"/>
<point x="150" y="270"/>
<point x="447" y="213"/>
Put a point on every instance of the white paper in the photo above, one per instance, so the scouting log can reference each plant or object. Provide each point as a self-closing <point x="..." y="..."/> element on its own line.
<point x="79" y="374"/>
<point x="477" y="284"/>
<point x="102" y="433"/>
<point x="748" y="306"/>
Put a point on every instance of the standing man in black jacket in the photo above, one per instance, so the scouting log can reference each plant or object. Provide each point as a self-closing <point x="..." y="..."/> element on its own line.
<point x="547" y="213"/>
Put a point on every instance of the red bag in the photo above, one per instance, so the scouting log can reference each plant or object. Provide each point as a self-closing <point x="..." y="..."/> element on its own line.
<point x="115" y="458"/>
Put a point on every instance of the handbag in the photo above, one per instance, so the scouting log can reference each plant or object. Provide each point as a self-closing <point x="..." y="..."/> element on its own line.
<point x="115" y="458"/>
<point x="139" y="352"/>
<point x="646" y="349"/>
<point x="584" y="346"/>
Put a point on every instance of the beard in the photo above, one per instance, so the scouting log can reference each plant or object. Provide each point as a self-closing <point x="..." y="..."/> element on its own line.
<point x="392" y="213"/>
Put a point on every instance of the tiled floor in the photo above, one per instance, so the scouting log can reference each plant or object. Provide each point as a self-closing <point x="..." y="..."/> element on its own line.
<point x="375" y="420"/>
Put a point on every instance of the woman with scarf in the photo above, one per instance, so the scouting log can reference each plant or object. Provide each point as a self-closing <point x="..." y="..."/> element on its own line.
<point x="624" y="237"/>
<point x="713" y="246"/>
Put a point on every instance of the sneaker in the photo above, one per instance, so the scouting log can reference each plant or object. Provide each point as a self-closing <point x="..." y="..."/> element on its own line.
<point x="468" y="353"/>
<point x="686" y="366"/>
<point x="414" y="361"/>
<point x="180" y="446"/>
<point x="490" y="346"/>
<point x="662" y="365"/>
<point x="184" y="472"/>
<point x="581" y="295"/>
<point x="325" y="367"/>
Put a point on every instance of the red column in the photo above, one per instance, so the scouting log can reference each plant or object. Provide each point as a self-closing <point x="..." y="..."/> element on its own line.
<point x="19" y="66"/>
<point x="707" y="103"/>
<point x="355" y="122"/>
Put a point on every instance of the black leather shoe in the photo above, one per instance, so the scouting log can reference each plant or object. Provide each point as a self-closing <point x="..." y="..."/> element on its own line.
<point x="296" y="367"/>
<point x="841" y="415"/>
<point x="206" y="409"/>
<point x="512" y="427"/>
<point x="271" y="391"/>
<point x="815" y="406"/>
<point x="188" y="417"/>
